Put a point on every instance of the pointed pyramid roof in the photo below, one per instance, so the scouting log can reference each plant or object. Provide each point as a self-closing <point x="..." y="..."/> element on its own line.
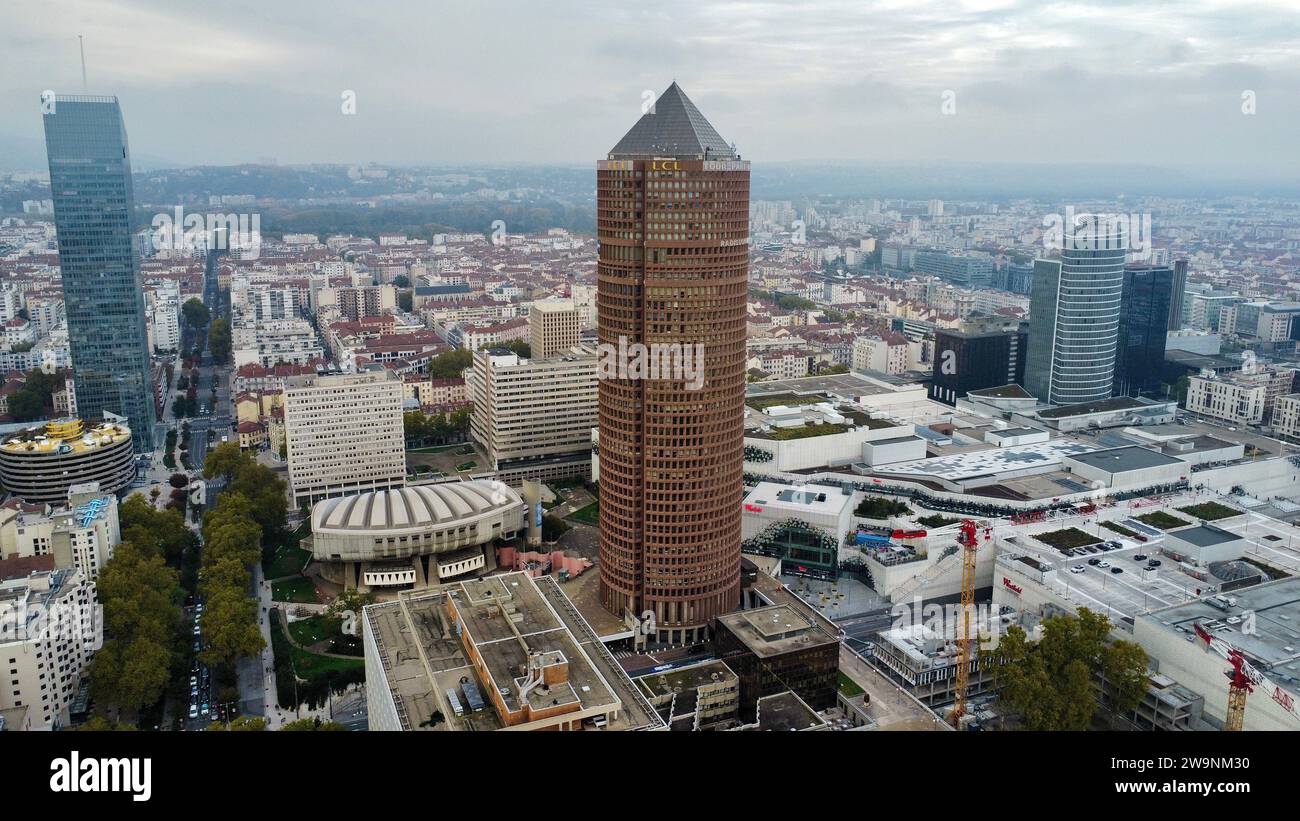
<point x="673" y="128"/>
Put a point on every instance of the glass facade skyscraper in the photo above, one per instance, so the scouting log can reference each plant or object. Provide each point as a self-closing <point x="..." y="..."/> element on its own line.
<point x="1074" y="313"/>
<point x="90" y="179"/>
<point x="1143" y="327"/>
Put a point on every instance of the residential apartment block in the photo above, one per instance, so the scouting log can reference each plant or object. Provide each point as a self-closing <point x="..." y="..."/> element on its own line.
<point x="343" y="433"/>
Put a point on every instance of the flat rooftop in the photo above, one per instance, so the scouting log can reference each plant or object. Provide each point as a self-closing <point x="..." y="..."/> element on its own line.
<point x="786" y="711"/>
<point x="1002" y="392"/>
<point x="1119" y="460"/>
<point x="843" y="385"/>
<point x="1016" y="431"/>
<point x="1205" y="535"/>
<point x="1117" y="403"/>
<point x="1273" y="642"/>
<point x="1119" y="596"/>
<point x="506" y="619"/>
<point x="990" y="461"/>
<point x="684" y="678"/>
<point x="777" y="629"/>
<point x="811" y="498"/>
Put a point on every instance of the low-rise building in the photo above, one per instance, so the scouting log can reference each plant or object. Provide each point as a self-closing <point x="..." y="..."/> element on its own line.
<point x="80" y="535"/>
<point x="54" y="631"/>
<point x="412" y="537"/>
<point x="1240" y="397"/>
<point x="497" y="653"/>
<point x="778" y="648"/>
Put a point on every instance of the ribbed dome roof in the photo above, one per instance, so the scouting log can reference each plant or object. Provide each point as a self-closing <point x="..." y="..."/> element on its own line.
<point x="413" y="506"/>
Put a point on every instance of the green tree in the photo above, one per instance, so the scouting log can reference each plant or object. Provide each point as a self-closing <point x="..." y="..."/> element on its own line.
<point x="141" y="597"/>
<point x="230" y="627"/>
<point x="313" y="724"/>
<point x="162" y="532"/>
<point x="25" y="405"/>
<point x="196" y="313"/>
<point x="351" y="600"/>
<point x="1050" y="683"/>
<point x="219" y="340"/>
<point x="101" y="724"/>
<point x="450" y="364"/>
<point x="261" y="488"/>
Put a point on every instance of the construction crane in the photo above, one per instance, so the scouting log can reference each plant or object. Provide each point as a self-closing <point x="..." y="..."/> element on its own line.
<point x="968" y="539"/>
<point x="1243" y="678"/>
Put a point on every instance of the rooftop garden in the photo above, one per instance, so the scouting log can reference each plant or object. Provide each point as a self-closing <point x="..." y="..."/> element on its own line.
<point x="789" y="399"/>
<point x="1066" y="539"/>
<point x="937" y="521"/>
<point x="1210" y="511"/>
<point x="1118" y="528"/>
<point x="876" y="507"/>
<point x="803" y="432"/>
<point x="1162" y="520"/>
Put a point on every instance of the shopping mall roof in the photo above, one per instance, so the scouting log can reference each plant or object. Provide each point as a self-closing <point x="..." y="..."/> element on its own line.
<point x="1120" y="460"/>
<point x="990" y="462"/>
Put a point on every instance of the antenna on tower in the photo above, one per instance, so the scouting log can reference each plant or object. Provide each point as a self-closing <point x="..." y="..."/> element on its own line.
<point x="81" y="44"/>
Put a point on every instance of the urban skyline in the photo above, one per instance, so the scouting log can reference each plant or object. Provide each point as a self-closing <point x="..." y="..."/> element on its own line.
<point x="989" y="423"/>
<point x="880" y="96"/>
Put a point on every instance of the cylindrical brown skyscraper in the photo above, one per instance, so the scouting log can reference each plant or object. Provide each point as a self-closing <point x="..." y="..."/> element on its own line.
<point x="672" y="215"/>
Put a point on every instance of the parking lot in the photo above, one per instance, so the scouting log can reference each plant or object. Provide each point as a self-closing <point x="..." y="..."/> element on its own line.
<point x="1090" y="579"/>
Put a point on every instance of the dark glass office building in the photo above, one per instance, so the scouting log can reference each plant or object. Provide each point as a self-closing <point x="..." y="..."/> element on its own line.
<point x="90" y="178"/>
<point x="1143" y="325"/>
<point x="965" y="362"/>
<point x="1179" y="289"/>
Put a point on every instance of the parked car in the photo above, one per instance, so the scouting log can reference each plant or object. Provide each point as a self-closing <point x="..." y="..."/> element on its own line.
<point x="1078" y="568"/>
<point x="1140" y="557"/>
<point x="1117" y="570"/>
<point x="1103" y="565"/>
<point x="194" y="711"/>
<point x="1094" y="562"/>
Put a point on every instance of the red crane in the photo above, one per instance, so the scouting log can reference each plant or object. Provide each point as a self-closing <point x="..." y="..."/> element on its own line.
<point x="1242" y="680"/>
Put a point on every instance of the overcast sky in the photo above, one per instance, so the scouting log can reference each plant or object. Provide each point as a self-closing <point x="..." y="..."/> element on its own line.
<point x="474" y="80"/>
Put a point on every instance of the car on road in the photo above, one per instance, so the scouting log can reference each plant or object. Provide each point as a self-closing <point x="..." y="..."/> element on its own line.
<point x="1094" y="562"/>
<point x="204" y="709"/>
<point x="1153" y="563"/>
<point x="196" y="630"/>
<point x="1103" y="565"/>
<point x="194" y="710"/>
<point x="1117" y="570"/>
<point x="1139" y="557"/>
<point x="1078" y="568"/>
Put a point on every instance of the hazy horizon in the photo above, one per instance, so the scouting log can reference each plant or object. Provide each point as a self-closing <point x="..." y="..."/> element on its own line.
<point x="827" y="82"/>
